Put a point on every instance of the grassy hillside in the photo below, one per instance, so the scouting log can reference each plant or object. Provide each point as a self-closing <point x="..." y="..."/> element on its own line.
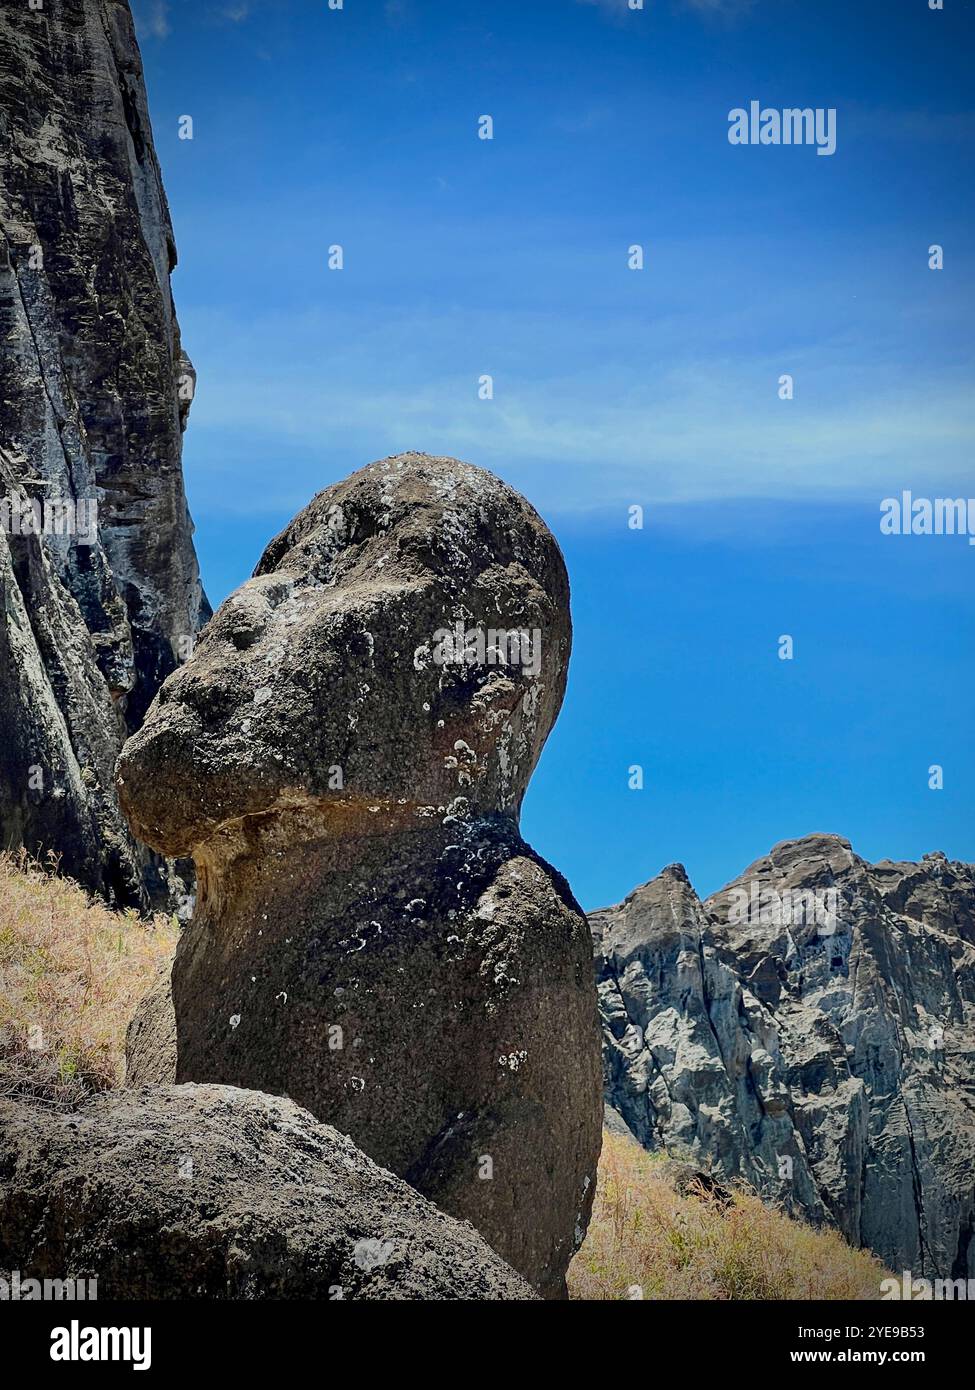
<point x="649" y="1240"/>
<point x="71" y="973"/>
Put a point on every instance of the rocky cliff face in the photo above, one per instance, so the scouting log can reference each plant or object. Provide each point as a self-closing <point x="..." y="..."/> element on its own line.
<point x="99" y="583"/>
<point x="810" y="1029"/>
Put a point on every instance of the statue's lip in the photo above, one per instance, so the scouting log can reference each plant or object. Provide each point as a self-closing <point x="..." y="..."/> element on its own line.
<point x="300" y="817"/>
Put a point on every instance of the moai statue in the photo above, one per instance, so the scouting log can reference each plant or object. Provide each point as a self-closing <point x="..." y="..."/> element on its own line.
<point x="345" y="756"/>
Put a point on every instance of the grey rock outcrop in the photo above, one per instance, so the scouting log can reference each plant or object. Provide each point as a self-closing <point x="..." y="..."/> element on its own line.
<point x="345" y="758"/>
<point x="212" y="1192"/>
<point x="690" y="1056"/>
<point x="811" y="1030"/>
<point x="94" y="392"/>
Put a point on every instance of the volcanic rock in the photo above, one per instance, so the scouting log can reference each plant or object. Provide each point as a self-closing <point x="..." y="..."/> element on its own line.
<point x="215" y="1193"/>
<point x="99" y="588"/>
<point x="345" y="758"/>
<point x="811" y="1030"/>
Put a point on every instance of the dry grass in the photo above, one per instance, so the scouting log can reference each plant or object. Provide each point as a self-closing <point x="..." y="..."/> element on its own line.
<point x="644" y="1235"/>
<point x="71" y="974"/>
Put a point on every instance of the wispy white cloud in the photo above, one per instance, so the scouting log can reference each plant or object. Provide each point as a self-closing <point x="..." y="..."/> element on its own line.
<point x="879" y="123"/>
<point x="236" y="14"/>
<point x="395" y="11"/>
<point x="719" y="6"/>
<point x="579" y="438"/>
<point x="589" y="119"/>
<point x="152" y="18"/>
<point x="724" y="7"/>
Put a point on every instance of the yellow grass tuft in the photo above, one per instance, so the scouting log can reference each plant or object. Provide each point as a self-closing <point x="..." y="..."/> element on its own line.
<point x="71" y="974"/>
<point x="647" y="1239"/>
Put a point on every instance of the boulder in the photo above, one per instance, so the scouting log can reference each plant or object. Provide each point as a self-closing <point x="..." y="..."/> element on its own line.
<point x="210" y="1192"/>
<point x="345" y="758"/>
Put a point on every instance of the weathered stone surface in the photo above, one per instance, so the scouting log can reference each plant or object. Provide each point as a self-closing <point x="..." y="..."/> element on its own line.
<point x="94" y="392"/>
<point x="150" y="1039"/>
<point x="372" y="936"/>
<point x="213" y="1192"/>
<point x="821" y="1047"/>
<point x="690" y="1057"/>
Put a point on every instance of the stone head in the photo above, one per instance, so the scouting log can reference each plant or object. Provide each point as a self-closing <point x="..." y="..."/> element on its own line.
<point x="400" y="653"/>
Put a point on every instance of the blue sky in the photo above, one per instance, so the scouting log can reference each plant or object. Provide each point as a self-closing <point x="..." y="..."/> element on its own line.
<point x="616" y="387"/>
